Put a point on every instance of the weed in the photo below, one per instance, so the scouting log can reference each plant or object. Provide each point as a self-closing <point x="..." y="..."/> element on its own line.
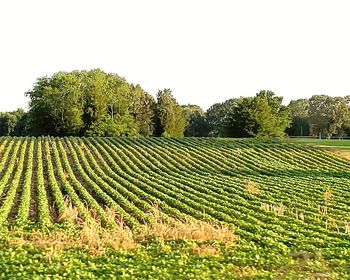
<point x="252" y="188"/>
<point x="278" y="209"/>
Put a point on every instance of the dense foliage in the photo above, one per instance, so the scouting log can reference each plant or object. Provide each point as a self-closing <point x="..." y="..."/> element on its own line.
<point x="13" y="123"/>
<point x="321" y="115"/>
<point x="95" y="103"/>
<point x="196" y="123"/>
<point x="262" y="115"/>
<point x="169" y="116"/>
<point x="89" y="103"/>
<point x="298" y="110"/>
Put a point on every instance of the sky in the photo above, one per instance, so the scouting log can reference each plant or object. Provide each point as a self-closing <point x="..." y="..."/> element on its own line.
<point x="204" y="51"/>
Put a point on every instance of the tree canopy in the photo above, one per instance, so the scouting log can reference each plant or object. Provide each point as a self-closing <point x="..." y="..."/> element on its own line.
<point x="170" y="118"/>
<point x="95" y="103"/>
<point x="13" y="123"/>
<point x="321" y="115"/>
<point x="196" y="125"/>
<point x="89" y="103"/>
<point x="262" y="115"/>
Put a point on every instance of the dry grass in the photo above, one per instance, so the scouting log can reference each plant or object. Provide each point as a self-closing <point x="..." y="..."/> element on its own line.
<point x="323" y="210"/>
<point x="93" y="239"/>
<point x="96" y="239"/>
<point x="347" y="227"/>
<point x="320" y="276"/>
<point x="327" y="196"/>
<point x="237" y="151"/>
<point x="340" y="153"/>
<point x="305" y="265"/>
<point x="189" y="229"/>
<point x="278" y="209"/>
<point x="70" y="214"/>
<point x="331" y="224"/>
<point x="299" y="215"/>
<point x="252" y="188"/>
<point x="206" y="250"/>
<point x="192" y="230"/>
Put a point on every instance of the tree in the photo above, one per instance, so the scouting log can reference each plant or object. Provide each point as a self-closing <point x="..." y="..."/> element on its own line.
<point x="55" y="105"/>
<point x="328" y="115"/>
<point x="7" y="123"/>
<point x="239" y="118"/>
<point x="13" y="123"/>
<point x="89" y="103"/>
<point x="196" y="125"/>
<point x="218" y="118"/>
<point x="339" y="115"/>
<point x="299" y="113"/>
<point x="107" y="105"/>
<point x="169" y="117"/>
<point x="262" y="115"/>
<point x="142" y="110"/>
<point x="266" y="116"/>
<point x="318" y="116"/>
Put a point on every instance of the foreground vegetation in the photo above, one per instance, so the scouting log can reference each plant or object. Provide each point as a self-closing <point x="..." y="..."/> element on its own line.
<point x="275" y="209"/>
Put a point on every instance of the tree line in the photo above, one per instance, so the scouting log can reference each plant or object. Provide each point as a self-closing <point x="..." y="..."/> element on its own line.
<point x="321" y="115"/>
<point x="95" y="103"/>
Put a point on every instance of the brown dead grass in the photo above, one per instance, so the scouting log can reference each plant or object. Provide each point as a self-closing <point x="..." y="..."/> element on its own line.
<point x="340" y="153"/>
<point x="96" y="239"/>
<point x="278" y="208"/>
<point x="206" y="250"/>
<point x="299" y="215"/>
<point x="93" y="239"/>
<point x="305" y="265"/>
<point x="70" y="214"/>
<point x="328" y="196"/>
<point x="252" y="188"/>
<point x="192" y="230"/>
<point x="331" y="224"/>
<point x="323" y="210"/>
<point x="189" y="229"/>
<point x="347" y="227"/>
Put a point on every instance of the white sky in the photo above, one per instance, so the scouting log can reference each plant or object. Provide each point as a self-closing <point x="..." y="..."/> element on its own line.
<point x="205" y="51"/>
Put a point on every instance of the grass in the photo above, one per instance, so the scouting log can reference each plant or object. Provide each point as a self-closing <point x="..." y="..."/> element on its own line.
<point x="339" y="144"/>
<point x="337" y="147"/>
<point x="97" y="238"/>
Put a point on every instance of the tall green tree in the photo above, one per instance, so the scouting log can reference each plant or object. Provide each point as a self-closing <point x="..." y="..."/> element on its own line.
<point x="262" y="115"/>
<point x="196" y="125"/>
<point x="7" y="123"/>
<point x="89" y="103"/>
<point x="169" y="116"/>
<point x="328" y="115"/>
<point x="107" y="105"/>
<point x="299" y="113"/>
<point x="219" y="118"/>
<point x="13" y="123"/>
<point x="141" y="108"/>
<point x="55" y="106"/>
<point x="266" y="116"/>
<point x="318" y="115"/>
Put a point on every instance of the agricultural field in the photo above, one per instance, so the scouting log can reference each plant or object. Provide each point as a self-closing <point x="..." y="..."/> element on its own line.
<point x="339" y="144"/>
<point x="165" y="208"/>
